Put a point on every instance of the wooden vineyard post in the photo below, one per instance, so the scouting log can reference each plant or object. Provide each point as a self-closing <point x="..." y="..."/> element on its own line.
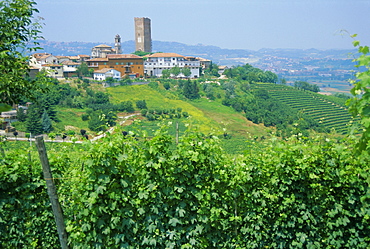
<point x="52" y="192"/>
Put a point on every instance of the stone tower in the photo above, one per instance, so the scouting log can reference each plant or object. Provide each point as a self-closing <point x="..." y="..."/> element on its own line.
<point x="143" y="36"/>
<point x="117" y="44"/>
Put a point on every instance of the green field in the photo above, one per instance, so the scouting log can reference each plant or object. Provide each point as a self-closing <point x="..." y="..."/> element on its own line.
<point x="208" y="116"/>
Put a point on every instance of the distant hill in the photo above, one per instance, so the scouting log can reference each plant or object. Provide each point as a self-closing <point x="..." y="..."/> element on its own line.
<point x="221" y="56"/>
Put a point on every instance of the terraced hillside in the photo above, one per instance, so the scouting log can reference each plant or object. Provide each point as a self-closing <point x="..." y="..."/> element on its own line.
<point x="332" y="114"/>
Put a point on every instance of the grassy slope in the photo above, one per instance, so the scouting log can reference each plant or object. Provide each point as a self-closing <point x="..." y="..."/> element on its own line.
<point x="70" y="119"/>
<point x="233" y="121"/>
<point x="206" y="115"/>
<point x="156" y="100"/>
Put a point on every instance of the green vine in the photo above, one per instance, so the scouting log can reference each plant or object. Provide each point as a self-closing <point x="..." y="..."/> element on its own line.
<point x="359" y="105"/>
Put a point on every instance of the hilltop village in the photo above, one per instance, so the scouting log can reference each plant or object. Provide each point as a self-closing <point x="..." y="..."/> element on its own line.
<point x="108" y="62"/>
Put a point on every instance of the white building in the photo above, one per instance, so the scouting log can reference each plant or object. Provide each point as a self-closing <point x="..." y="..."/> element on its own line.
<point x="39" y="59"/>
<point x="158" y="62"/>
<point x="54" y="70"/>
<point x="105" y="73"/>
<point x="70" y="66"/>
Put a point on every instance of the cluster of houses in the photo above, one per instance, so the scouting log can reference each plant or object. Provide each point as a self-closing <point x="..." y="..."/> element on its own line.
<point x="106" y="61"/>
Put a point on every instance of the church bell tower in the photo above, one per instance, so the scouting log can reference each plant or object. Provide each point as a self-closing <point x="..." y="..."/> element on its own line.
<point x="117" y="44"/>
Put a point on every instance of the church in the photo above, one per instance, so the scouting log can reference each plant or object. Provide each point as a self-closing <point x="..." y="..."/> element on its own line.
<point x="101" y="51"/>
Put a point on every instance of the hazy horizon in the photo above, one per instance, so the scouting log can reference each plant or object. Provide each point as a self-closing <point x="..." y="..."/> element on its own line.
<point x="199" y="44"/>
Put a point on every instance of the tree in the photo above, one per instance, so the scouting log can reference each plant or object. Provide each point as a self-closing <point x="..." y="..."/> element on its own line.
<point x="33" y="121"/>
<point x="175" y="71"/>
<point x="141" y="104"/>
<point x="18" y="32"/>
<point x="270" y="77"/>
<point x="46" y="122"/>
<point x="191" y="90"/>
<point x="167" y="85"/>
<point x="125" y="106"/>
<point x="21" y="115"/>
<point x="45" y="103"/>
<point x="212" y="70"/>
<point x="166" y="73"/>
<point x="96" y="123"/>
<point x="110" y="80"/>
<point x="186" y="71"/>
<point x="303" y="85"/>
<point x="100" y="120"/>
<point x="141" y="53"/>
<point x="83" y="70"/>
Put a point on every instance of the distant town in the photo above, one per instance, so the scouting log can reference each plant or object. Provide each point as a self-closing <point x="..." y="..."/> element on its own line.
<point x="105" y="61"/>
<point x="329" y="69"/>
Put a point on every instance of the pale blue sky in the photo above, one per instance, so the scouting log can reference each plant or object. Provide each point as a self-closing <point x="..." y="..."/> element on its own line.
<point x="233" y="24"/>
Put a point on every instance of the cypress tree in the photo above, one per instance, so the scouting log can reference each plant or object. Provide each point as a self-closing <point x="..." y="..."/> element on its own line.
<point x="33" y="121"/>
<point x="46" y="122"/>
<point x="21" y="115"/>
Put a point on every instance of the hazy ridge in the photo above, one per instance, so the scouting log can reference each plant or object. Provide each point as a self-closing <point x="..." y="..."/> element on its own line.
<point x="218" y="55"/>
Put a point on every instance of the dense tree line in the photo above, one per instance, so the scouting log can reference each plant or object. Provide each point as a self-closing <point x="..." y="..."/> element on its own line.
<point x="212" y="70"/>
<point x="303" y="85"/>
<point x="250" y="74"/>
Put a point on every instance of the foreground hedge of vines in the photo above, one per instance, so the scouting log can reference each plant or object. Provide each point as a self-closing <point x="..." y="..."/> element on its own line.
<point x="130" y="192"/>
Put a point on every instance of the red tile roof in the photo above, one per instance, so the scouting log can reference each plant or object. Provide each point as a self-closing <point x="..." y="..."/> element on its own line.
<point x="71" y="63"/>
<point x="159" y="55"/>
<point x="98" y="59"/>
<point x="73" y="57"/>
<point x="102" y="46"/>
<point x="41" y="55"/>
<point x="104" y="70"/>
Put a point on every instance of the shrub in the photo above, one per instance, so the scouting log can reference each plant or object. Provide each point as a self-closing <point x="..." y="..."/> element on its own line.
<point x="85" y="117"/>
